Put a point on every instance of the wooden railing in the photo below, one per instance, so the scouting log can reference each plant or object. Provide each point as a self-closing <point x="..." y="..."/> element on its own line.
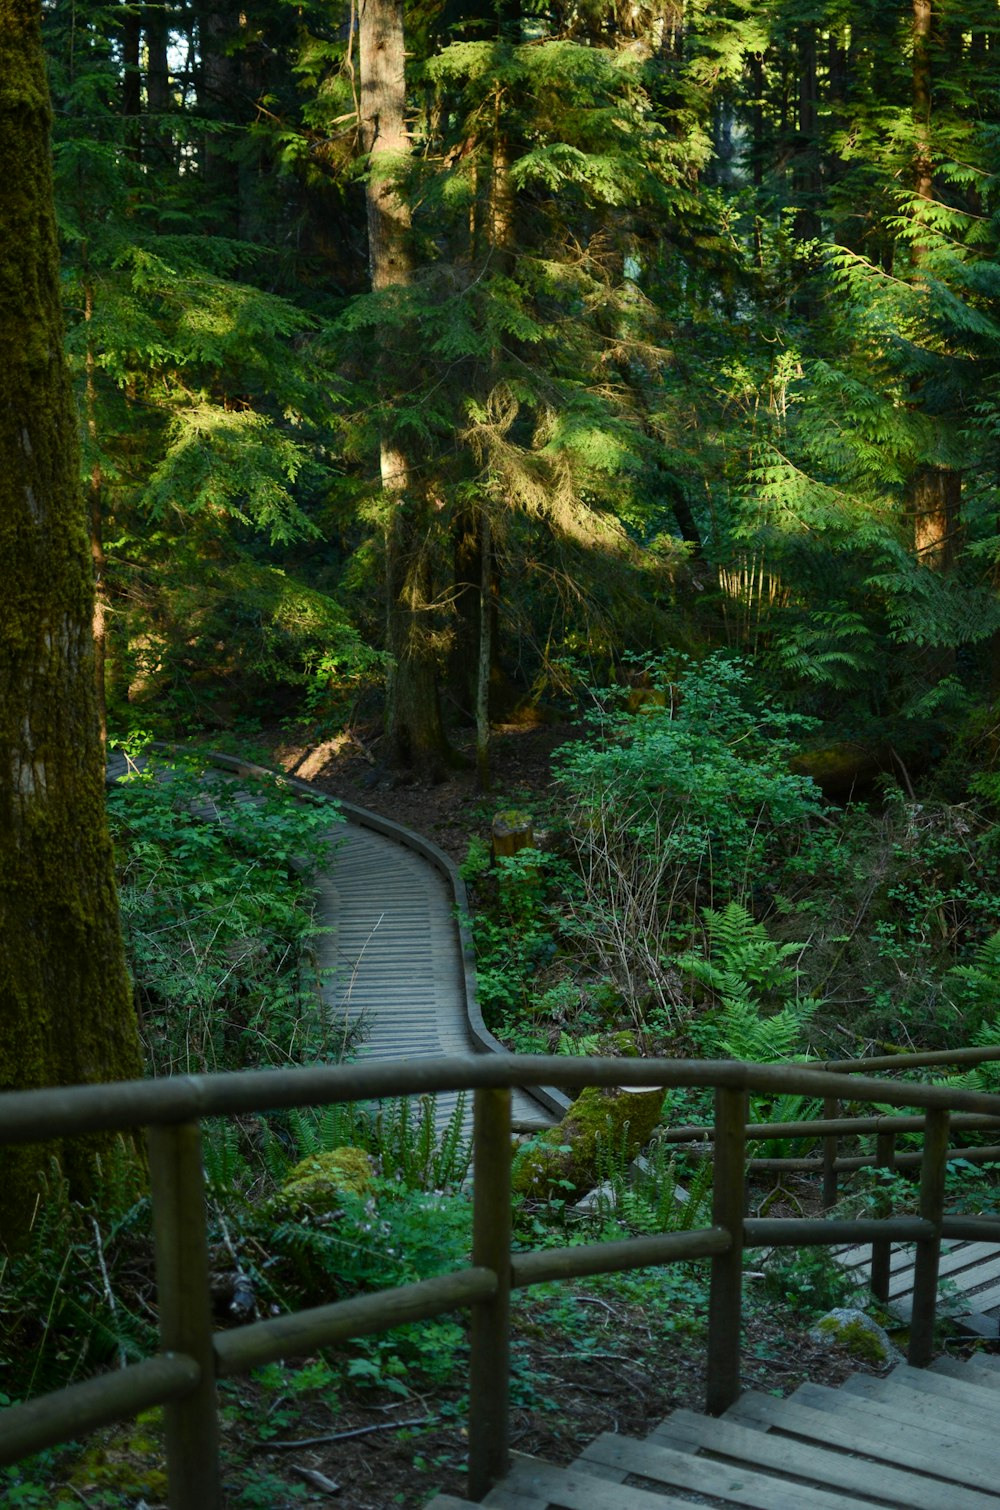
<point x="831" y="1128"/>
<point x="193" y="1355"/>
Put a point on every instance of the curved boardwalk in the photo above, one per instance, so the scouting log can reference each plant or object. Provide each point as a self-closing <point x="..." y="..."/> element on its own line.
<point x="393" y="959"/>
<point x="390" y="951"/>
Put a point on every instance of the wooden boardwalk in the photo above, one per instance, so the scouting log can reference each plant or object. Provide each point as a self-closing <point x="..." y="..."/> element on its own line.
<point x="392" y="957"/>
<point x="917" y="1440"/>
<point x="969" y="1281"/>
<point x="390" y="948"/>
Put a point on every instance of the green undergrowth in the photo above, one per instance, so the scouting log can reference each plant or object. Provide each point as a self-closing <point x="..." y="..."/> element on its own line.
<point x="694" y="891"/>
<point x="215" y="889"/>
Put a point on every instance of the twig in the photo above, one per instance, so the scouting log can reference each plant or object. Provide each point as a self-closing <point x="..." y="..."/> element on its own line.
<point x="587" y="1357"/>
<point x="109" y="1293"/>
<point x="341" y="1436"/>
<point x="593" y="1300"/>
<point x="244" y="1299"/>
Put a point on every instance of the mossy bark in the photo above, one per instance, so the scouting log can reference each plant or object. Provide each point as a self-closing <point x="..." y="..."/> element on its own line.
<point x="66" y="1012"/>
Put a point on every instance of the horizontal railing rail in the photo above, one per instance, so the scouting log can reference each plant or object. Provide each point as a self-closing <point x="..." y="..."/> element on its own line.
<point x="832" y="1126"/>
<point x="193" y="1355"/>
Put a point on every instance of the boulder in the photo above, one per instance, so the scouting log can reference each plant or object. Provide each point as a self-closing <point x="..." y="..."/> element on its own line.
<point x="855" y="1333"/>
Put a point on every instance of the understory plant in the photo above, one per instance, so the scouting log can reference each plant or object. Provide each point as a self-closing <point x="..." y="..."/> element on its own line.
<point x="214" y="880"/>
<point x="683" y="802"/>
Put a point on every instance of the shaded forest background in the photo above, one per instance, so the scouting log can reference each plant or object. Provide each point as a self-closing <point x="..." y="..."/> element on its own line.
<point x="587" y="332"/>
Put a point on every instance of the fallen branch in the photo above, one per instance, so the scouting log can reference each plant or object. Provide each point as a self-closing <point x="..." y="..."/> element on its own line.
<point x="341" y="1436"/>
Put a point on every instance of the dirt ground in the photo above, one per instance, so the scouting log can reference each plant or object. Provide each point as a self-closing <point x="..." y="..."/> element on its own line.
<point x="629" y="1381"/>
<point x="449" y="811"/>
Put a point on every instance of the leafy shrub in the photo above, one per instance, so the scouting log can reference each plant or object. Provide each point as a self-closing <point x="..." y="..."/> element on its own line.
<point x="213" y="880"/>
<point x="809" y="1280"/>
<point x="685" y="801"/>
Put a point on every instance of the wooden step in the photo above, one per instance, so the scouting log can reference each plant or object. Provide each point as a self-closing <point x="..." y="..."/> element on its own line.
<point x="897" y="1414"/>
<point x="976" y="1370"/>
<point x="860" y="1430"/>
<point x="937" y="1407"/>
<point x="822" y="1464"/>
<point x="967" y="1391"/>
<point x="735" y="1483"/>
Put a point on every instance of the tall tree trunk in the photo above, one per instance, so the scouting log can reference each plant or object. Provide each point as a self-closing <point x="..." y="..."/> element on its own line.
<point x="131" y="79"/>
<point x="923" y="181"/>
<point x="158" y="149"/>
<point x="66" y="1011"/>
<point x="218" y="79"/>
<point x="413" y="715"/>
<point x="934" y="500"/>
<point x="95" y="510"/>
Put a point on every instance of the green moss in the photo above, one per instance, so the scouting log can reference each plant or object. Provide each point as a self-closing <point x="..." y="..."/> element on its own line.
<point x="856" y="1338"/>
<point x="564" y="1159"/>
<point x="67" y="1013"/>
<point x="317" y="1180"/>
<point x="126" y="1459"/>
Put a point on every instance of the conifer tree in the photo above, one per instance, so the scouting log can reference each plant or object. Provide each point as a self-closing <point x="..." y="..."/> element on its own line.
<point x="66" y="1012"/>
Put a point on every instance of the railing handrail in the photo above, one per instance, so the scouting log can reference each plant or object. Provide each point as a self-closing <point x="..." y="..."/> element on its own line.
<point x="193" y="1355"/>
<point x="54" y="1112"/>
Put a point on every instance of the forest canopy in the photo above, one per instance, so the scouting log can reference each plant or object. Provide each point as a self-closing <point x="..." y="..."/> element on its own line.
<point x="463" y="350"/>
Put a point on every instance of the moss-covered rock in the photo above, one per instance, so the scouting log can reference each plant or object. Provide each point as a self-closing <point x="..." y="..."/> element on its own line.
<point x="318" y="1181"/>
<point x="856" y="1334"/>
<point x="563" y="1160"/>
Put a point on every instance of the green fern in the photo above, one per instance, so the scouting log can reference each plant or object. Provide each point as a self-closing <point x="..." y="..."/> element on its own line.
<point x="755" y="1010"/>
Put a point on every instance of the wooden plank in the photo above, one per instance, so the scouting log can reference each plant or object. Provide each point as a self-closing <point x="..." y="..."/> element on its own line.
<point x="955" y="1256"/>
<point x="985" y="1300"/>
<point x="964" y="1392"/>
<point x="972" y="1369"/>
<point x="860" y="1257"/>
<point x="936" y="1405"/>
<point x="573" y="1489"/>
<point x="897" y="1412"/>
<point x="827" y="1466"/>
<point x="505" y="1498"/>
<point x="911" y="1449"/>
<point x="974" y="1276"/>
<point x="733" y="1483"/>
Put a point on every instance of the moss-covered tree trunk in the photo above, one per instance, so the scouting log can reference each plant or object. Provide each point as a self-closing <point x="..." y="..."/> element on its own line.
<point x="65" y="1001"/>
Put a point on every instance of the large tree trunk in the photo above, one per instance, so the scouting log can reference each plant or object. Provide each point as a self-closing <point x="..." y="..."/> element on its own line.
<point x="65" y="1001"/>
<point x="413" y="716"/>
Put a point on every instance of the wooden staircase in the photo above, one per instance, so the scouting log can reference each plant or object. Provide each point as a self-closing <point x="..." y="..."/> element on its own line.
<point x="920" y="1439"/>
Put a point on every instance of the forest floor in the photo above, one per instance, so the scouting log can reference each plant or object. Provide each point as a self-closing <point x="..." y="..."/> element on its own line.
<point x="628" y="1378"/>
<point x="451" y="811"/>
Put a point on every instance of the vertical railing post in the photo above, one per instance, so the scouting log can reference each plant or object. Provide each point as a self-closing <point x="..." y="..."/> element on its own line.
<point x="725" y="1300"/>
<point x="831" y="1110"/>
<point x="192" y="1428"/>
<point x="885" y="1158"/>
<point x="489" y="1363"/>
<point x="928" y="1256"/>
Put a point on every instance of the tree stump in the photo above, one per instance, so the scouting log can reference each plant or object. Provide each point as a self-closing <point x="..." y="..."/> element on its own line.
<point x="512" y="830"/>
